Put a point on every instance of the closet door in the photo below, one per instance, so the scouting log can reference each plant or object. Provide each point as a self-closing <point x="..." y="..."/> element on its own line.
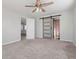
<point x="47" y="28"/>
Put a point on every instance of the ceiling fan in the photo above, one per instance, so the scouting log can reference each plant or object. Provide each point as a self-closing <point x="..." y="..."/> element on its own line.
<point x="39" y="6"/>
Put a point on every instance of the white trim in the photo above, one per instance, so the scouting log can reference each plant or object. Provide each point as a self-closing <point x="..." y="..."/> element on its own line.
<point x="10" y="42"/>
<point x="68" y="41"/>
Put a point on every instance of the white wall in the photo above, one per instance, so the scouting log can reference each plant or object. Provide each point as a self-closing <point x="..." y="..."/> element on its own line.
<point x="30" y="30"/>
<point x="11" y="26"/>
<point x="39" y="28"/>
<point x="67" y="26"/>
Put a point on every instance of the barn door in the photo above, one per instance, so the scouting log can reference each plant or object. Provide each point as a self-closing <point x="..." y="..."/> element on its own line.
<point x="51" y="28"/>
<point x="47" y="28"/>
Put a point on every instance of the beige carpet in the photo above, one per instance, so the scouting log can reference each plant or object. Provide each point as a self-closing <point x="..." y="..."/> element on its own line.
<point x="39" y="49"/>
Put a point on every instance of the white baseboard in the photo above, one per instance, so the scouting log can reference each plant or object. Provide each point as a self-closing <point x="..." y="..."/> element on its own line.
<point x="38" y="38"/>
<point x="69" y="41"/>
<point x="10" y="42"/>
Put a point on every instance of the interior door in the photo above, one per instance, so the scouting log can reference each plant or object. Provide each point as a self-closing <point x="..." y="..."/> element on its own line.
<point x="47" y="28"/>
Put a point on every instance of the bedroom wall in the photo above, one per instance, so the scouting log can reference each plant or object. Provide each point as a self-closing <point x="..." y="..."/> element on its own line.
<point x="11" y="26"/>
<point x="39" y="28"/>
<point x="67" y="26"/>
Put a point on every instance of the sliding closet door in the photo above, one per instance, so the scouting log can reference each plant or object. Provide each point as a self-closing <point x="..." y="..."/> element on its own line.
<point x="47" y="28"/>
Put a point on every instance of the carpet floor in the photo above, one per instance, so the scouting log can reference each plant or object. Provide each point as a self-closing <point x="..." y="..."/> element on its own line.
<point x="39" y="49"/>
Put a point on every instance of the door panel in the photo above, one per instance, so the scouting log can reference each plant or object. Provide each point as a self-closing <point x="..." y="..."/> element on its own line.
<point x="47" y="28"/>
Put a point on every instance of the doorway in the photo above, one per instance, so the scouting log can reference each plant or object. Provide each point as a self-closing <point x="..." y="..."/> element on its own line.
<point x="56" y="28"/>
<point x="23" y="28"/>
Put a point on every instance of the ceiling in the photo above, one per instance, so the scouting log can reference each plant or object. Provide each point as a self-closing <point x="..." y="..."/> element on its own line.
<point x="18" y="6"/>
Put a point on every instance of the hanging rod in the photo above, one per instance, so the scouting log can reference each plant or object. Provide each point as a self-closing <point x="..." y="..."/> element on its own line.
<point x="49" y="16"/>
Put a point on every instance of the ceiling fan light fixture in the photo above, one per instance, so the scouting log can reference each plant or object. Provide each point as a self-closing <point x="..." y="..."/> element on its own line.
<point x="38" y="9"/>
<point x="39" y="6"/>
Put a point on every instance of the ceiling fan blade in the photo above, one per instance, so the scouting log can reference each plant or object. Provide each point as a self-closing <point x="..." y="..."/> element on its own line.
<point x="29" y="6"/>
<point x="34" y="10"/>
<point x="46" y="4"/>
<point x="43" y="10"/>
<point x="38" y="2"/>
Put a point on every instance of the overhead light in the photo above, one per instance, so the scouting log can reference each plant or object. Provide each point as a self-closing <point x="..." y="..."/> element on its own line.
<point x="38" y="9"/>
